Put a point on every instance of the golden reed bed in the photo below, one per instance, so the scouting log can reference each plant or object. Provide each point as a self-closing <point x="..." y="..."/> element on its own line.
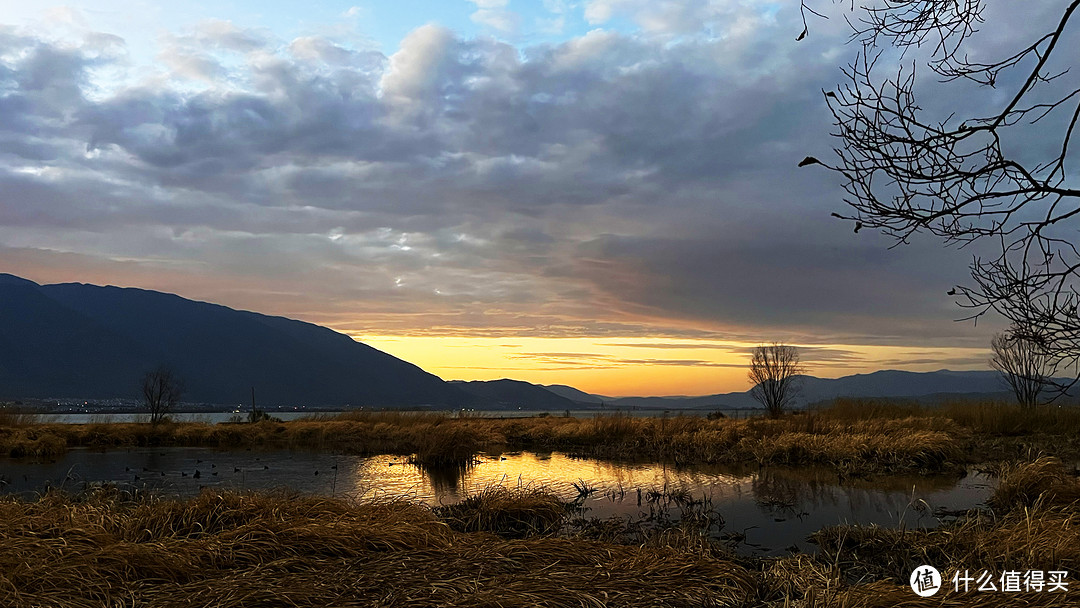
<point x="856" y="436"/>
<point x="226" y="549"/>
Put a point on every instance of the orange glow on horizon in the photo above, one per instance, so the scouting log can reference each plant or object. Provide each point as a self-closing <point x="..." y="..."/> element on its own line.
<point x="620" y="367"/>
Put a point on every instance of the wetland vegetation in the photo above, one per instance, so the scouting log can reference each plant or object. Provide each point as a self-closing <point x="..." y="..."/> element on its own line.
<point x="502" y="547"/>
<point x="528" y="546"/>
<point x="856" y="437"/>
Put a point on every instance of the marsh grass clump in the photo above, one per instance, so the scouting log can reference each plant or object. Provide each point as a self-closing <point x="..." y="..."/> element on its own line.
<point x="1034" y="525"/>
<point x="515" y="512"/>
<point x="1044" y="482"/>
<point x="449" y="445"/>
<point x="1010" y="419"/>
<point x="230" y="550"/>
<point x="30" y="441"/>
<point x="23" y="433"/>
<point x="871" y="560"/>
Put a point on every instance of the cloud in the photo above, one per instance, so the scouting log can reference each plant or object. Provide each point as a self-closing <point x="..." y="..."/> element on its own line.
<point x="493" y="14"/>
<point x="610" y="185"/>
<point x="603" y="361"/>
<point x="682" y="17"/>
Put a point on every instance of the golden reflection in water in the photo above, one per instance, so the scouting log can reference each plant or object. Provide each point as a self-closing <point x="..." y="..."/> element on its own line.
<point x="771" y="488"/>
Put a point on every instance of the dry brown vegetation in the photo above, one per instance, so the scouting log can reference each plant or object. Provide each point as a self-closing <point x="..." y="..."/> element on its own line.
<point x="509" y="512"/>
<point x="1035" y="524"/>
<point x="854" y="436"/>
<point x="499" y="548"/>
<point x="222" y="550"/>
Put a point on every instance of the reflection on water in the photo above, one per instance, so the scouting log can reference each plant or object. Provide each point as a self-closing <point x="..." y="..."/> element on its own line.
<point x="775" y="508"/>
<point x="219" y="417"/>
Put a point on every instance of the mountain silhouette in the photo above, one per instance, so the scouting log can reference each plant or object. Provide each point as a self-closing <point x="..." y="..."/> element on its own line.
<point x="510" y="394"/>
<point x="78" y="340"/>
<point x="921" y="386"/>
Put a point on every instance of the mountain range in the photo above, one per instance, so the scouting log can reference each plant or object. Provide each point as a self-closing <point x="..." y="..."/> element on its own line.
<point x="923" y="386"/>
<point x="88" y="341"/>
<point x="77" y="340"/>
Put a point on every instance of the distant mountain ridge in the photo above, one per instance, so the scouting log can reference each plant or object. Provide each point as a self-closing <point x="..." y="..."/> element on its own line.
<point x="86" y="341"/>
<point x="81" y="340"/>
<point x="927" y="387"/>
<point x="511" y="394"/>
<point x="879" y="384"/>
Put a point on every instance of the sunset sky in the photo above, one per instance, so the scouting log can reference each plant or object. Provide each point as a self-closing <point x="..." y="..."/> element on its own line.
<point x="601" y="193"/>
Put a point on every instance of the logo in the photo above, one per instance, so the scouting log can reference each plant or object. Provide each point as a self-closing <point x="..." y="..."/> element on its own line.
<point x="925" y="581"/>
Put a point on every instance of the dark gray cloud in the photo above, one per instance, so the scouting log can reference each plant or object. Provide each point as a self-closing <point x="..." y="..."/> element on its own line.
<point x="603" y="361"/>
<point x="610" y="185"/>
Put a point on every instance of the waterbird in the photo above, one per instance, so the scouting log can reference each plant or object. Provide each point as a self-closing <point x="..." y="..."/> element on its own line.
<point x="266" y="467"/>
<point x="197" y="474"/>
<point x="236" y="469"/>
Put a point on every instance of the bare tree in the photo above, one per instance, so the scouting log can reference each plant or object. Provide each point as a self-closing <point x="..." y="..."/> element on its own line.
<point x="774" y="376"/>
<point x="1023" y="365"/>
<point x="976" y="177"/>
<point x="161" y="391"/>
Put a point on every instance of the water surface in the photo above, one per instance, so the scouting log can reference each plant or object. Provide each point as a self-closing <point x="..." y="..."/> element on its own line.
<point x="218" y="417"/>
<point x="771" y="509"/>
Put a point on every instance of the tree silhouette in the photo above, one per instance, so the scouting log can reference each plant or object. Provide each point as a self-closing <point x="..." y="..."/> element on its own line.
<point x="1004" y="176"/>
<point x="161" y="391"/>
<point x="774" y="376"/>
<point x="1023" y="365"/>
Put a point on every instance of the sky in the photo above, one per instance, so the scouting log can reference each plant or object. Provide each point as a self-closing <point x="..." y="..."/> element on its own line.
<point x="601" y="193"/>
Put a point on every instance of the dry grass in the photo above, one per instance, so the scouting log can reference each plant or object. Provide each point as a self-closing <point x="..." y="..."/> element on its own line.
<point x="107" y="548"/>
<point x="12" y="415"/>
<point x="224" y="550"/>
<point x="508" y="512"/>
<point x="500" y="547"/>
<point x="981" y="417"/>
<point x="853" y="436"/>
<point x="1035" y="525"/>
<point x="1044" y="482"/>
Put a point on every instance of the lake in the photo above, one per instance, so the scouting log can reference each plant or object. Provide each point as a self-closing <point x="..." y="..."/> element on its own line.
<point x="218" y="417"/>
<point x="771" y="508"/>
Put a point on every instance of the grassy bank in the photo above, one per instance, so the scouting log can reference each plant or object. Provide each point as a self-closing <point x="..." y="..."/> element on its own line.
<point x="855" y="437"/>
<point x="1034" y="525"/>
<point x="263" y="550"/>
<point x="500" y="548"/>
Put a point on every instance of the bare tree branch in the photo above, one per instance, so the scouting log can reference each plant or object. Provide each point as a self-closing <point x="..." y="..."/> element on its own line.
<point x="774" y="376"/>
<point x="161" y="391"/>
<point x="1024" y="366"/>
<point x="906" y="172"/>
